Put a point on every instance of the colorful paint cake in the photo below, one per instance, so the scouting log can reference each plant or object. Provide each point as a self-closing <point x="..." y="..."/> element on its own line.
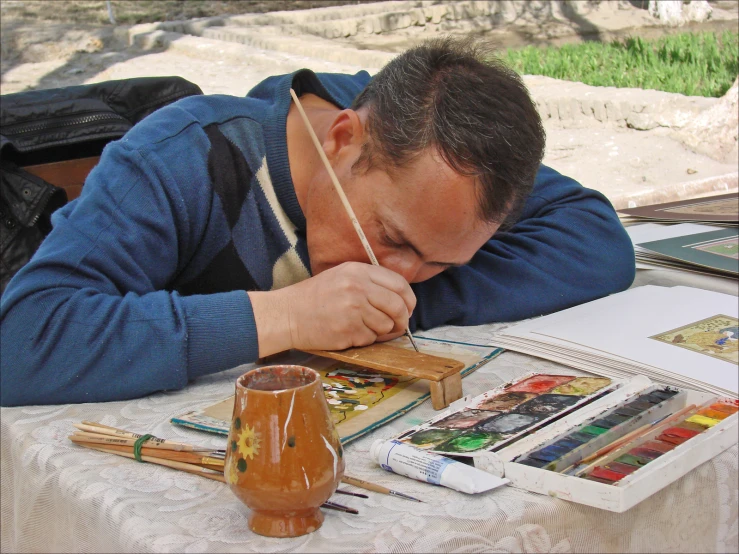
<point x="644" y="452"/>
<point x="505" y="401"/>
<point x="607" y="474"/>
<point x="677" y="435"/>
<point x="582" y="386"/>
<point x="509" y="423"/>
<point x="548" y="404"/>
<point x="501" y="415"/>
<point x="623" y="469"/>
<point x="702" y="420"/>
<point x="429" y="438"/>
<point x="590" y="430"/>
<point x="471" y="441"/>
<point x="540" y="384"/>
<point x="725" y="407"/>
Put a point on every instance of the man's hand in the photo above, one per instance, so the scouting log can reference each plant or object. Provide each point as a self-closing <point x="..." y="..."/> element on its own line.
<point x="353" y="304"/>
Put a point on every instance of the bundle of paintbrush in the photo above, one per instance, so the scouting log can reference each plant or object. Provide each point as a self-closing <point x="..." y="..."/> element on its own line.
<point x="176" y="455"/>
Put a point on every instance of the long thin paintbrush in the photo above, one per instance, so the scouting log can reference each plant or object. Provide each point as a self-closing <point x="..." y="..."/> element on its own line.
<point x="361" y="483"/>
<point x="342" y="196"/>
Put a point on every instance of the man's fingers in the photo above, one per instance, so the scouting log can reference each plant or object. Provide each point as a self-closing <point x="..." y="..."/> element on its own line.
<point x="390" y="336"/>
<point x="391" y="305"/>
<point x="377" y="321"/>
<point x="349" y="305"/>
<point x="394" y="282"/>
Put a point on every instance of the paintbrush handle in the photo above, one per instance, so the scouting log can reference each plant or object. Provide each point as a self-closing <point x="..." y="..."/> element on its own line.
<point x="339" y="507"/>
<point x="112" y="439"/>
<point x="100" y="425"/>
<point x="362" y="484"/>
<point x="376" y="488"/>
<point x="186" y="457"/>
<point x="92" y="427"/>
<point x="335" y="180"/>
<point x="350" y="493"/>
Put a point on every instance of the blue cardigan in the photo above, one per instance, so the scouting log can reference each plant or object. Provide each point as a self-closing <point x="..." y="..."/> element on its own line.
<point x="140" y="286"/>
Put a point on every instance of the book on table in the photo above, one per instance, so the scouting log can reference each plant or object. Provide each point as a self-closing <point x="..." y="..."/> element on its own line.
<point x="696" y="248"/>
<point x="722" y="210"/>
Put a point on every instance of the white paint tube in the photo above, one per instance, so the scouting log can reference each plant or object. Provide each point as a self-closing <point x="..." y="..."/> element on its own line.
<point x="415" y="463"/>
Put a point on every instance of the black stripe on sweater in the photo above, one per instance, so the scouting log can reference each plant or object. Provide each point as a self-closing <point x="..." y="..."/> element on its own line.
<point x="225" y="272"/>
<point x="229" y="172"/>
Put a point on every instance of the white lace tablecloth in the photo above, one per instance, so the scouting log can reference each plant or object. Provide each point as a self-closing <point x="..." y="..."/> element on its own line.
<point x="57" y="497"/>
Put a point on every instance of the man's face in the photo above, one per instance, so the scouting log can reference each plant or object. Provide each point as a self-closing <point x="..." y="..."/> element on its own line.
<point x="419" y="220"/>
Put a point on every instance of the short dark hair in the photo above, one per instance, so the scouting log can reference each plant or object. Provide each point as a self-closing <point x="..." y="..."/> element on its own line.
<point x="455" y="96"/>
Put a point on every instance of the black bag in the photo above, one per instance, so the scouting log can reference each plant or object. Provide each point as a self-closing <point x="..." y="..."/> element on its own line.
<point x="45" y="126"/>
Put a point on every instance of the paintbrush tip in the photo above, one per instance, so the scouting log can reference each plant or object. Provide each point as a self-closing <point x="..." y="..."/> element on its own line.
<point x="410" y="338"/>
<point x="406" y="496"/>
<point x="350" y="493"/>
<point x="339" y="507"/>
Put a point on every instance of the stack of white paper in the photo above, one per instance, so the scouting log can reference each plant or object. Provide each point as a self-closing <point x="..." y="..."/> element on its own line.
<point x="675" y="335"/>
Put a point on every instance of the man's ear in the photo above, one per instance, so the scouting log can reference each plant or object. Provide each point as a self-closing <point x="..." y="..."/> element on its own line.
<point x="345" y="134"/>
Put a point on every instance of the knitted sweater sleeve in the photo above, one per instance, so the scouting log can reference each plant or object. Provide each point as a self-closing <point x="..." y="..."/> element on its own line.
<point x="89" y="318"/>
<point x="567" y="248"/>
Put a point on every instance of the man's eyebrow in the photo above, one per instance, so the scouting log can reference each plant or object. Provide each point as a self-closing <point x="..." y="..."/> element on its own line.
<point x="401" y="239"/>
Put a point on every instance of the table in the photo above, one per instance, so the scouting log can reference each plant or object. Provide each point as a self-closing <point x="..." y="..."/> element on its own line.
<point x="58" y="497"/>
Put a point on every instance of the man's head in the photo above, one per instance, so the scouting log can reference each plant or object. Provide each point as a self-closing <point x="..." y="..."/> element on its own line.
<point x="438" y="151"/>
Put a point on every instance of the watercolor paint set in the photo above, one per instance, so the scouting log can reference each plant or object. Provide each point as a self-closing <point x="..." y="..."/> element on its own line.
<point x="500" y="416"/>
<point x="621" y="448"/>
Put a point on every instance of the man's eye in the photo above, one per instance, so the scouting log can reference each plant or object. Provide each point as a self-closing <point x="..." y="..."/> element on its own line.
<point x="388" y="241"/>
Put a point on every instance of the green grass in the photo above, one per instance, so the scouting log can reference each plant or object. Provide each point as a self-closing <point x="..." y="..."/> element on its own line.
<point x="695" y="64"/>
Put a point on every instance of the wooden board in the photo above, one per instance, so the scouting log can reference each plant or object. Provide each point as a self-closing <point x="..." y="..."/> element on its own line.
<point x="446" y="391"/>
<point x="396" y="360"/>
<point x="445" y="382"/>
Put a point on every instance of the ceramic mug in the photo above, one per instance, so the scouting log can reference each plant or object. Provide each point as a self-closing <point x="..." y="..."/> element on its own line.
<point x="284" y="458"/>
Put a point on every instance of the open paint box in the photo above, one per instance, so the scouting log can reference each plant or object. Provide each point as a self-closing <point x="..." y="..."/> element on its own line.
<point x="625" y="492"/>
<point x="611" y="448"/>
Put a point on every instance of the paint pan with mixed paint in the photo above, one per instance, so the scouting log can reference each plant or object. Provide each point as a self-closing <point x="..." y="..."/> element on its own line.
<point x="501" y="415"/>
<point x="621" y="448"/>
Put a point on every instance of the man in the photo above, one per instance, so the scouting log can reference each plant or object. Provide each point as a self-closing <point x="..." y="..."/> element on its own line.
<point x="210" y="235"/>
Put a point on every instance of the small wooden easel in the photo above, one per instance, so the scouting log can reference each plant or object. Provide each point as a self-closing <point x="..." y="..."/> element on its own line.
<point x="443" y="374"/>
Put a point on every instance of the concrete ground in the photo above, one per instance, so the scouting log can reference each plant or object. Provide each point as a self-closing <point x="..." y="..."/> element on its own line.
<point x="627" y="143"/>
